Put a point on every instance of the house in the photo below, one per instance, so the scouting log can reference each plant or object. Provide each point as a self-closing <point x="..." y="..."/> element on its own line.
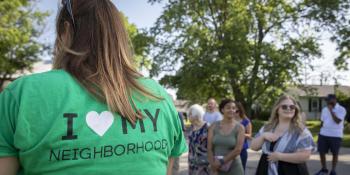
<point x="312" y="97"/>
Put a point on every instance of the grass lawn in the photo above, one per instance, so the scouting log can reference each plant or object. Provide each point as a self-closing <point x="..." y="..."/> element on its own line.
<point x="314" y="127"/>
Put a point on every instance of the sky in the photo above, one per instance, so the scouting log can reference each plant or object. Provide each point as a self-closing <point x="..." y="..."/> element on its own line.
<point x="144" y="15"/>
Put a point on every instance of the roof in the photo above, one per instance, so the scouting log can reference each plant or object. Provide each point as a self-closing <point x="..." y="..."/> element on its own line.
<point x="317" y="90"/>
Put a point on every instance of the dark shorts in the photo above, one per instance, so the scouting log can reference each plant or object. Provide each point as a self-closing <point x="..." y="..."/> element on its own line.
<point x="326" y="143"/>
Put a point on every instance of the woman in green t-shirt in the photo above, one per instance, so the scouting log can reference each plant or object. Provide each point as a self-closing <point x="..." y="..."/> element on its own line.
<point x="94" y="113"/>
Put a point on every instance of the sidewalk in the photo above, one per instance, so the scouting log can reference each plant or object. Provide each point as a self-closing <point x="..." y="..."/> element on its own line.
<point x="314" y="164"/>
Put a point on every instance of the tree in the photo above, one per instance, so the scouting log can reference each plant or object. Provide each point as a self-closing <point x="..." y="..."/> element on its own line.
<point x="334" y="16"/>
<point x="344" y="100"/>
<point x="141" y="42"/>
<point x="246" y="49"/>
<point x="20" y="26"/>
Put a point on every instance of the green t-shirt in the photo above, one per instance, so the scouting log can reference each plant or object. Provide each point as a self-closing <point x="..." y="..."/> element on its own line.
<point x="54" y="126"/>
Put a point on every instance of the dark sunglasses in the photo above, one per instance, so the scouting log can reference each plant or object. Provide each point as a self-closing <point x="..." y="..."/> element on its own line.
<point x="68" y="5"/>
<point x="290" y="107"/>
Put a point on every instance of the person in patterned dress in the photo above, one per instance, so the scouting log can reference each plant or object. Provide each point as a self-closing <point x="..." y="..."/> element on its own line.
<point x="197" y="157"/>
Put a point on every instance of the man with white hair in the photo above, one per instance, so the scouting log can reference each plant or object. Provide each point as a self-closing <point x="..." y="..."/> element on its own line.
<point x="212" y="115"/>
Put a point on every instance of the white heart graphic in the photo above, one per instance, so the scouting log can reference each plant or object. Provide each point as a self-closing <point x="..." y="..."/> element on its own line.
<point x="99" y="123"/>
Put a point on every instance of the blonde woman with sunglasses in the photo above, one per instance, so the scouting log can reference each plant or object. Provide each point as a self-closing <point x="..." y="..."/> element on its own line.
<point x="94" y="113"/>
<point x="285" y="142"/>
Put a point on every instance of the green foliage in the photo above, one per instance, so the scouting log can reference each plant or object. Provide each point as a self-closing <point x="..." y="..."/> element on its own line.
<point x="334" y="15"/>
<point x="257" y="124"/>
<point x="247" y="49"/>
<point x="20" y="26"/>
<point x="141" y="41"/>
<point x="344" y="100"/>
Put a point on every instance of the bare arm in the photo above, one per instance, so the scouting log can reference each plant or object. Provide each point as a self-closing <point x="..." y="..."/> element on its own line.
<point x="213" y="163"/>
<point x="297" y="157"/>
<point x="210" y="144"/>
<point x="238" y="148"/>
<point x="9" y="166"/>
<point x="334" y="117"/>
<point x="248" y="131"/>
<point x="257" y="142"/>
<point x="170" y="166"/>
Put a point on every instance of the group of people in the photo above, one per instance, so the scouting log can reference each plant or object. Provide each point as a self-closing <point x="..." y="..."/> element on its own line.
<point x="218" y="140"/>
<point x="220" y="133"/>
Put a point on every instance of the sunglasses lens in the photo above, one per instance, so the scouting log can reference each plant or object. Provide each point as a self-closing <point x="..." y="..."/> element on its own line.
<point x="286" y="107"/>
<point x="292" y="107"/>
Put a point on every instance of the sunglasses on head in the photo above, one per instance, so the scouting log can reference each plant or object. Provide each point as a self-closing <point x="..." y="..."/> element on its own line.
<point x="290" y="107"/>
<point x="67" y="4"/>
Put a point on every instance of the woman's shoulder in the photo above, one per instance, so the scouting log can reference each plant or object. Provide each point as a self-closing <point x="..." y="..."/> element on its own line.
<point x="41" y="80"/>
<point x="245" y="121"/>
<point x="152" y="85"/>
<point x="214" y="126"/>
<point x="149" y="82"/>
<point x="306" y="132"/>
<point x="239" y="126"/>
<point x="205" y="127"/>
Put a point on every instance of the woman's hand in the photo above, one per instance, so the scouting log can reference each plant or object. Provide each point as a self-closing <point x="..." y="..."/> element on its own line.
<point x="215" y="165"/>
<point x="273" y="157"/>
<point x="270" y="136"/>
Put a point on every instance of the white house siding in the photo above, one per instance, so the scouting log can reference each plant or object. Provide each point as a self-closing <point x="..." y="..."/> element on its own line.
<point x="312" y="106"/>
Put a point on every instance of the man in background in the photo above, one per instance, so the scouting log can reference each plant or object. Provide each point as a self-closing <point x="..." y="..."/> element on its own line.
<point x="212" y="115"/>
<point x="331" y="134"/>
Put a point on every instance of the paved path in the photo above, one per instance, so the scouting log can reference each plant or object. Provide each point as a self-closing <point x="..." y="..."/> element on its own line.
<point x="313" y="164"/>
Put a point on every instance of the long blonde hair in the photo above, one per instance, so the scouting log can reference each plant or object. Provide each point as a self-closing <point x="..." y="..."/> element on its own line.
<point x="98" y="54"/>
<point x="296" y="121"/>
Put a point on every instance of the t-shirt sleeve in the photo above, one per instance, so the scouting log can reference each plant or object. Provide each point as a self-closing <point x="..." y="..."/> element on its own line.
<point x="341" y="114"/>
<point x="8" y="113"/>
<point x="305" y="141"/>
<point x="323" y="113"/>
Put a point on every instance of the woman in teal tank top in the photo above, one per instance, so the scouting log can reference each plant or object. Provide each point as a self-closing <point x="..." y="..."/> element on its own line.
<point x="225" y="141"/>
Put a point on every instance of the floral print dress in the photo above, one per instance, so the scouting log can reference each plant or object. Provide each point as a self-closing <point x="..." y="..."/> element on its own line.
<point x="197" y="156"/>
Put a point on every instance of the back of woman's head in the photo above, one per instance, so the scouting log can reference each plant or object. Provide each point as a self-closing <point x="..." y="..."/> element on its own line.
<point x="93" y="46"/>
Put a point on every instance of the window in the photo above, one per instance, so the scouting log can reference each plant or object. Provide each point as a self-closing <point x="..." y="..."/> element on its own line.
<point x="315" y="104"/>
